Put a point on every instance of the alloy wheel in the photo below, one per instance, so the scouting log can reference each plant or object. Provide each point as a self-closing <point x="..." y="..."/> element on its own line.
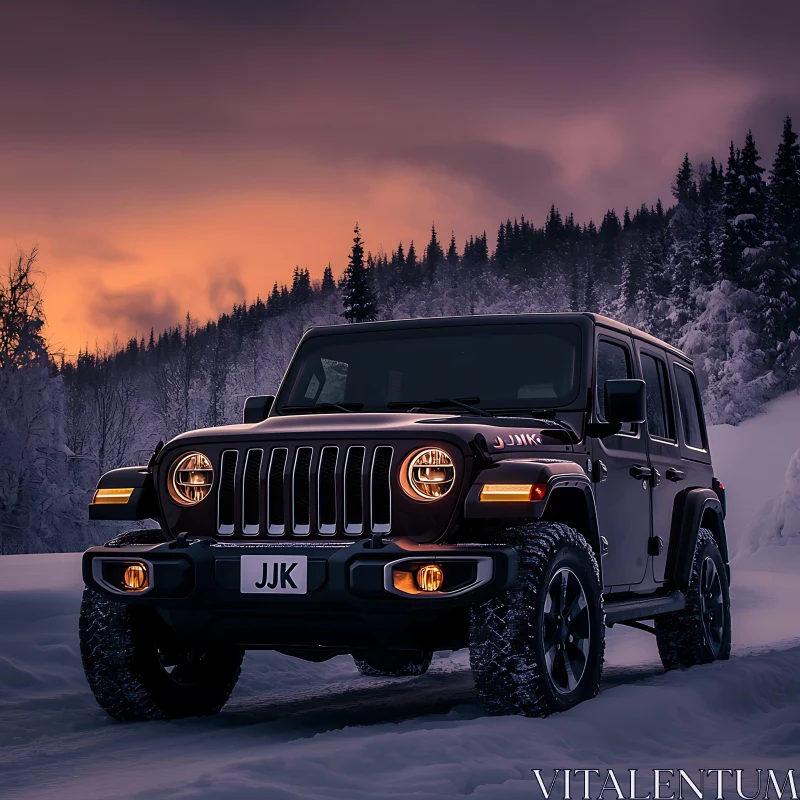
<point x="566" y="631"/>
<point x="712" y="607"/>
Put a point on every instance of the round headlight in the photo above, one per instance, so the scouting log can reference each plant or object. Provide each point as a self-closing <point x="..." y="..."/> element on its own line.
<point x="191" y="477"/>
<point x="429" y="474"/>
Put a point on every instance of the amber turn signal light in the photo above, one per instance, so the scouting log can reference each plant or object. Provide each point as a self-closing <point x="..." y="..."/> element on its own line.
<point x="512" y="492"/>
<point x="111" y="496"/>
<point x="135" y="578"/>
<point x="430" y="578"/>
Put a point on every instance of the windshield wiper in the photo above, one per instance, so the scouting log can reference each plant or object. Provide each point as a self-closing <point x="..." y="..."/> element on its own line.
<point x="433" y="405"/>
<point x="346" y="407"/>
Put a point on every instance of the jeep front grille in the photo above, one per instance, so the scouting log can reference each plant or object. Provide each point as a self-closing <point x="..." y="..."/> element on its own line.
<point x="250" y="481"/>
<point x="305" y="491"/>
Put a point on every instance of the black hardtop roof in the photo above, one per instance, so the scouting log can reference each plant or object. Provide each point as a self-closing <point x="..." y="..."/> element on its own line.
<point x="494" y="319"/>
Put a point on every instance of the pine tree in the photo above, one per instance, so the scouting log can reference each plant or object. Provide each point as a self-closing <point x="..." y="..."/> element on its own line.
<point x="452" y="251"/>
<point x="399" y="261"/>
<point x="434" y="255"/>
<point x="705" y="256"/>
<point x="783" y="210"/>
<point x="777" y="289"/>
<point x="684" y="188"/>
<point x="358" y="299"/>
<point x="301" y="292"/>
<point x="481" y="252"/>
<point x="608" y="236"/>
<point x="501" y="255"/>
<point x="274" y="301"/>
<point x="730" y="249"/>
<point x="411" y="267"/>
<point x="749" y="219"/>
<point x="328" y="287"/>
<point x="683" y="230"/>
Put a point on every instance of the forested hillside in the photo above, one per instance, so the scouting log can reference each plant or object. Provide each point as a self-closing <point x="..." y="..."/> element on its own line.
<point x="716" y="273"/>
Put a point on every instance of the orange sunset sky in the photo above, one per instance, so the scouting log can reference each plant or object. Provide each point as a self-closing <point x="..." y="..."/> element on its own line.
<point x="182" y="156"/>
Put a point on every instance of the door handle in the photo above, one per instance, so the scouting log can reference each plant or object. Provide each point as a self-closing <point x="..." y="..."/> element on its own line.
<point x="640" y="472"/>
<point x="675" y="475"/>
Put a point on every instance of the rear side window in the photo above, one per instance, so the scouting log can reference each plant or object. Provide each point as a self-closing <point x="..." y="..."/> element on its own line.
<point x="613" y="363"/>
<point x="659" y="404"/>
<point x="691" y="413"/>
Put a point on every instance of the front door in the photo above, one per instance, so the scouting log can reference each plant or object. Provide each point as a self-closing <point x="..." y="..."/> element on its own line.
<point x="623" y="498"/>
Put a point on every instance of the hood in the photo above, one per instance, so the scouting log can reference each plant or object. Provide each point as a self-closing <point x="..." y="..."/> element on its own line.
<point x="499" y="433"/>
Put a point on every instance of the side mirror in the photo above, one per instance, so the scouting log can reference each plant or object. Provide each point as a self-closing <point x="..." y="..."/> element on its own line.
<point x="256" y="408"/>
<point x="626" y="401"/>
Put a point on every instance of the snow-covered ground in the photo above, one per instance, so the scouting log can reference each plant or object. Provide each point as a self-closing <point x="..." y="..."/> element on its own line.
<point x="296" y="730"/>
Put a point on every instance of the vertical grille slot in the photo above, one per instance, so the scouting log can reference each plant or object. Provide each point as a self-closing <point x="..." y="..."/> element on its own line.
<point x="353" y="491"/>
<point x="326" y="491"/>
<point x="250" y="493"/>
<point x="226" y="499"/>
<point x="276" y="518"/>
<point x="301" y="492"/>
<point x="381" y="490"/>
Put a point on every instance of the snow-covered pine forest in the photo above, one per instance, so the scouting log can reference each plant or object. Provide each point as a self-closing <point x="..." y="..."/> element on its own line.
<point x="716" y="273"/>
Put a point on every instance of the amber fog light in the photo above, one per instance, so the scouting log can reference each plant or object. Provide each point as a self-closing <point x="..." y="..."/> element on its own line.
<point x="191" y="477"/>
<point x="135" y="578"/>
<point x="428" y="474"/>
<point x="430" y="578"/>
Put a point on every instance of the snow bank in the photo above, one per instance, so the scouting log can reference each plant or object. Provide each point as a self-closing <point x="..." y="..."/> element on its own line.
<point x="777" y="522"/>
<point x="751" y="460"/>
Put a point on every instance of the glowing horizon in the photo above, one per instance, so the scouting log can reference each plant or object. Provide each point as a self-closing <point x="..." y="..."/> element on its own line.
<point x="194" y="154"/>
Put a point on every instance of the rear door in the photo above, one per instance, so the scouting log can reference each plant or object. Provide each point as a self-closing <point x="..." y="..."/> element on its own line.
<point x="668" y="471"/>
<point x="623" y="500"/>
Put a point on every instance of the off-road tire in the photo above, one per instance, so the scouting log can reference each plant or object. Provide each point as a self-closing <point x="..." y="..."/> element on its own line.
<point x="393" y="663"/>
<point x="507" y="633"/>
<point x="683" y="638"/>
<point x="124" y="650"/>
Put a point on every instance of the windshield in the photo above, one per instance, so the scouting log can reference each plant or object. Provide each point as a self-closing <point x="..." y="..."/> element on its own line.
<point x="521" y="366"/>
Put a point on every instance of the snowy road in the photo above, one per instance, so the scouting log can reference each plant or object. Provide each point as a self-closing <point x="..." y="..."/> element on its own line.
<point x="299" y="730"/>
<point x="303" y="730"/>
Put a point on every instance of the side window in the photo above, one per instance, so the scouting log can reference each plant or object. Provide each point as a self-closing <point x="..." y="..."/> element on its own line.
<point x="691" y="413"/>
<point x="613" y="363"/>
<point x="659" y="406"/>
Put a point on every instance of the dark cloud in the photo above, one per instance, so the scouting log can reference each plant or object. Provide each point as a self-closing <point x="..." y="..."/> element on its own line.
<point x="93" y="248"/>
<point x="515" y="175"/>
<point x="134" y="120"/>
<point x="765" y="118"/>
<point x="226" y="287"/>
<point x="136" y="310"/>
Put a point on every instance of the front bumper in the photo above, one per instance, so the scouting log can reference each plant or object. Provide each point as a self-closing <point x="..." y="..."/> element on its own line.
<point x="349" y="603"/>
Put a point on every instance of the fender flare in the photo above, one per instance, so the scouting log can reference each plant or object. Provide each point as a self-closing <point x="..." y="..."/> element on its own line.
<point x="588" y="526"/>
<point x="690" y="510"/>
<point x="142" y="503"/>
<point x="569" y="497"/>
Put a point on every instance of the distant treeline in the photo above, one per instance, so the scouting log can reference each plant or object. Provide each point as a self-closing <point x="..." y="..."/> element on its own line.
<point x="716" y="273"/>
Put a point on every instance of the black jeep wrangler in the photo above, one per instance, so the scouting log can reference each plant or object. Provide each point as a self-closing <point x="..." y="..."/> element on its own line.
<point x="511" y="484"/>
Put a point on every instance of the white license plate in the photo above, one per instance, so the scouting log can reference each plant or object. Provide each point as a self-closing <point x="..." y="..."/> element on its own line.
<point x="274" y="574"/>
